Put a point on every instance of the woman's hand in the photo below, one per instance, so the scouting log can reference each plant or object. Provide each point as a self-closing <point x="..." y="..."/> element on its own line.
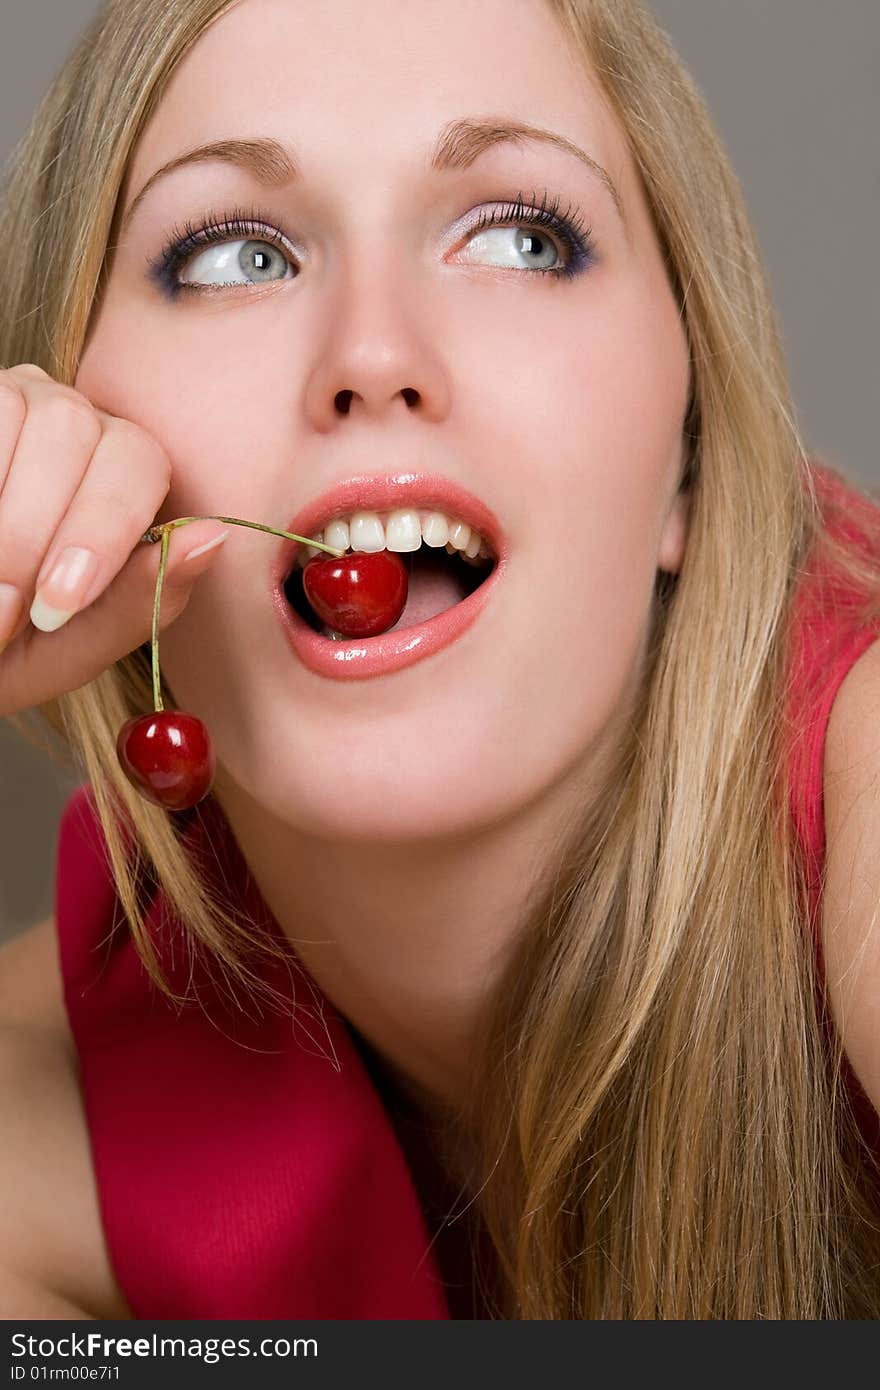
<point x="73" y="476"/>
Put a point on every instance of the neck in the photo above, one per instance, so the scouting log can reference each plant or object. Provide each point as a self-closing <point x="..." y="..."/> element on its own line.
<point x="408" y="941"/>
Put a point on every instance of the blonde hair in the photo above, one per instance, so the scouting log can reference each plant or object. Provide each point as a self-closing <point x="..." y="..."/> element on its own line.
<point x="658" y="1126"/>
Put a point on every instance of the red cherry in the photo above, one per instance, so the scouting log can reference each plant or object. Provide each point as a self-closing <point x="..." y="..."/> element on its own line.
<point x="168" y="757"/>
<point x="359" y="595"/>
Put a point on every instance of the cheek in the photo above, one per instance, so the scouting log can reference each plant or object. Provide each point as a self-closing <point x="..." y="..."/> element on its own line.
<point x="129" y="376"/>
<point x="611" y="457"/>
<point x="617" y="437"/>
<point x="200" y="402"/>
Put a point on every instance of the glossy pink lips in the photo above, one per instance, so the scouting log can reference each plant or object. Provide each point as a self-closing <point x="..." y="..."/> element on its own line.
<point x="362" y="658"/>
<point x="422" y="491"/>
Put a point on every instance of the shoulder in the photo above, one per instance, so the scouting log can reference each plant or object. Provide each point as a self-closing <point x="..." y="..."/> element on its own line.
<point x="850" y="915"/>
<point x="31" y="988"/>
<point x="45" y="1158"/>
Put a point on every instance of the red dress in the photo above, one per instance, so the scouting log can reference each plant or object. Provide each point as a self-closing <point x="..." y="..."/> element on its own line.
<point x="827" y="642"/>
<point x="247" y="1167"/>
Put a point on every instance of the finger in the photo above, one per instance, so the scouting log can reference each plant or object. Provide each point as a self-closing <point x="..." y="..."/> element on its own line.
<point x="13" y="413"/>
<point x="21" y="389"/>
<point x="38" y="666"/>
<point x="126" y="483"/>
<point x="52" y="453"/>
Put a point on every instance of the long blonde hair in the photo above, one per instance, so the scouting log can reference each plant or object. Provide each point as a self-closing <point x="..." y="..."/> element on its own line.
<point x="658" y="1127"/>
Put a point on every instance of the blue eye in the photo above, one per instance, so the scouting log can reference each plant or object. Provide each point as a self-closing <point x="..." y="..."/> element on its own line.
<point x="261" y="252"/>
<point x="568" y="228"/>
<point x="261" y="260"/>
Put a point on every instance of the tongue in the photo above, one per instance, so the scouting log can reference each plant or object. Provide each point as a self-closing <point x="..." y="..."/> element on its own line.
<point x="433" y="587"/>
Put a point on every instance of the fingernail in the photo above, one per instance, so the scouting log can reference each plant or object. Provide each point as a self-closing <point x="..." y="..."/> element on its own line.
<point x="65" y="582"/>
<point x="61" y="594"/>
<point x="10" y="603"/>
<point x="49" y="619"/>
<point x="209" y="545"/>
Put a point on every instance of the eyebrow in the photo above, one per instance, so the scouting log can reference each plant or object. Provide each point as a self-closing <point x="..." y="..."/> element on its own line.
<point x="460" y="144"/>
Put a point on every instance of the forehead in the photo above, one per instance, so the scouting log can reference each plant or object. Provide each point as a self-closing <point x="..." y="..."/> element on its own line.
<point x="373" y="94"/>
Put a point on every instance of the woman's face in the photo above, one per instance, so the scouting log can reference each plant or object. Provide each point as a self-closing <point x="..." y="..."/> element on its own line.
<point x="385" y="335"/>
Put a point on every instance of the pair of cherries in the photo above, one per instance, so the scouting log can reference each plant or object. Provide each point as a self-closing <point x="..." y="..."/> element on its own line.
<point x="167" y="756"/>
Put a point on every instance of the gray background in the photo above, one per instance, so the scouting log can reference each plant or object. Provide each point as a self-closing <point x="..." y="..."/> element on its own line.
<point x="792" y="87"/>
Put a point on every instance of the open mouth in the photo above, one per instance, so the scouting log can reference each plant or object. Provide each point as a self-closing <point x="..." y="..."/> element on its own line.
<point x="437" y="580"/>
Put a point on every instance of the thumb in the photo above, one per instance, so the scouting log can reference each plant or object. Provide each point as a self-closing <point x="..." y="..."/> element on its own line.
<point x="191" y="551"/>
<point x="188" y="542"/>
<point x="48" y="664"/>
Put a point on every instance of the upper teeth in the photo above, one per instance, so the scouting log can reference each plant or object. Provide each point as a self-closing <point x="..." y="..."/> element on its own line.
<point x="401" y="530"/>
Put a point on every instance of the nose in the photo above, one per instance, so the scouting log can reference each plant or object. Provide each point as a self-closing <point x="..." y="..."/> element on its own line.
<point x="378" y="355"/>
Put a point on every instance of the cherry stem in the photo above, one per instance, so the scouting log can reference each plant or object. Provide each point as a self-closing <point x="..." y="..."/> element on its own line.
<point x="154" y="533"/>
<point x="162" y="533"/>
<point x="157" y="599"/>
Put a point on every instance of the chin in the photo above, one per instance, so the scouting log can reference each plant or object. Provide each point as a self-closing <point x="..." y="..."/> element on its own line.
<point x="401" y="808"/>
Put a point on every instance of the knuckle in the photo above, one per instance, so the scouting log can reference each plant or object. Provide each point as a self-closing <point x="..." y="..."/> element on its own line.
<point x="78" y="398"/>
<point x="30" y="369"/>
<point x="68" y="417"/>
<point x="147" y="445"/>
<point x="12" y="401"/>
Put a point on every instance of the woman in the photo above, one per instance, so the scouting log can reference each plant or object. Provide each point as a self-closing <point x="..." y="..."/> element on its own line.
<point x="550" y="873"/>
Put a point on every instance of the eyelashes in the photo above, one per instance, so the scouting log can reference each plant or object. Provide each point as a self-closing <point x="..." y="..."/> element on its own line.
<point x="183" y="241"/>
<point x="569" y="228"/>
